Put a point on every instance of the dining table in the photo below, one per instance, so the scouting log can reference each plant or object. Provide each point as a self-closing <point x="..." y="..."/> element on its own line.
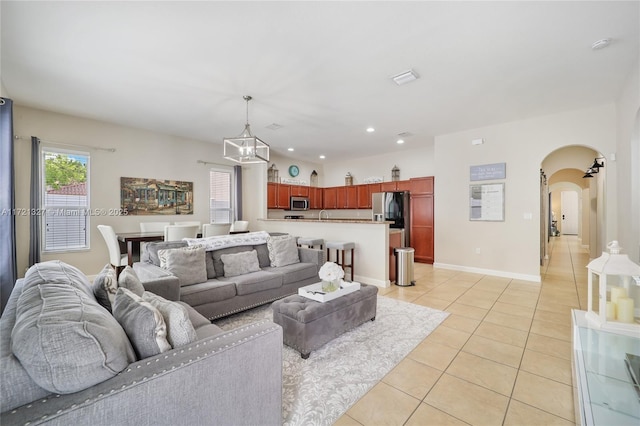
<point x="132" y="240"/>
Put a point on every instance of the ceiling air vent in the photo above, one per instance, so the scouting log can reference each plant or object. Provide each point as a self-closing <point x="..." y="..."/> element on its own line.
<point x="405" y="77"/>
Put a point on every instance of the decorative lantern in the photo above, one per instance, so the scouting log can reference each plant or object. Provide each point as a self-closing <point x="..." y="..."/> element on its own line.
<point x="314" y="178"/>
<point x="618" y="292"/>
<point x="395" y="173"/>
<point x="348" y="179"/>
<point x="272" y="174"/>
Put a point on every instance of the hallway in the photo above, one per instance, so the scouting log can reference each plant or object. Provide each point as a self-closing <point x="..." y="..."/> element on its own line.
<point x="503" y="356"/>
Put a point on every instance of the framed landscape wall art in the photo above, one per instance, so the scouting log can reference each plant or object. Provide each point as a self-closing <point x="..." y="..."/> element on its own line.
<point x="144" y="196"/>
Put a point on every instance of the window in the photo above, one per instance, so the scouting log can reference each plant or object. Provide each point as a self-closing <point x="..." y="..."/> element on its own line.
<point x="65" y="200"/>
<point x="221" y="195"/>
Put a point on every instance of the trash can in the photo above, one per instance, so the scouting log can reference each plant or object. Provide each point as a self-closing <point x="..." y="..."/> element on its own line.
<point x="404" y="266"/>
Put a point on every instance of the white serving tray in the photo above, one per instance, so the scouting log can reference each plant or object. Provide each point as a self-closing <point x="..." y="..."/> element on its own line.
<point x="314" y="291"/>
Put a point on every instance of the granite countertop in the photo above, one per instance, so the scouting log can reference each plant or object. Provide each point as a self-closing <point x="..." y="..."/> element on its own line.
<point x="331" y="220"/>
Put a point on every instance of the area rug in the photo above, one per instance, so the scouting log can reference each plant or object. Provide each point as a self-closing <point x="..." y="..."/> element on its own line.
<point x="320" y="389"/>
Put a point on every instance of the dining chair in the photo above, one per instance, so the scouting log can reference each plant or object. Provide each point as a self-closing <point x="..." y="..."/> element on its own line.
<point x="117" y="259"/>
<point x="178" y="232"/>
<point x="212" y="229"/>
<point x="189" y="222"/>
<point x="240" y="226"/>
<point x="153" y="226"/>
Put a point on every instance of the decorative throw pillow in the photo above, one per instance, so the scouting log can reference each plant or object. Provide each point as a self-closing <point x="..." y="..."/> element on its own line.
<point x="63" y="338"/>
<point x="180" y="331"/>
<point x="150" y="252"/>
<point x="283" y="250"/>
<point x="240" y="263"/>
<point x="129" y="280"/>
<point x="142" y="322"/>
<point x="105" y="286"/>
<point x="188" y="264"/>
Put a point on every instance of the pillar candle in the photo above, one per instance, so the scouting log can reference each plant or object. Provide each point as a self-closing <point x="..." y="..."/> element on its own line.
<point x="625" y="309"/>
<point x="617" y="292"/>
<point x="611" y="311"/>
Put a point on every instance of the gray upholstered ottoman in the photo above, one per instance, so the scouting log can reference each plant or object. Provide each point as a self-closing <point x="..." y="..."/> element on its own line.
<point x="307" y="324"/>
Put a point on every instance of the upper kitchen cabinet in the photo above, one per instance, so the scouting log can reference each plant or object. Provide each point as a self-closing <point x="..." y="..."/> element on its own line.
<point x="398" y="185"/>
<point x="316" y="199"/>
<point x="330" y="198"/>
<point x="278" y="195"/>
<point x="364" y="194"/>
<point x="299" y="191"/>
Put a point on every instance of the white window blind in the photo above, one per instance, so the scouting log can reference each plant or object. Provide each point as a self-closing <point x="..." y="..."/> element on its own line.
<point x="65" y="200"/>
<point x="221" y="195"/>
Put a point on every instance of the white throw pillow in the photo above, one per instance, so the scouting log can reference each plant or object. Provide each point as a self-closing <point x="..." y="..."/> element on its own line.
<point x="283" y="250"/>
<point x="187" y="263"/>
<point x="180" y="331"/>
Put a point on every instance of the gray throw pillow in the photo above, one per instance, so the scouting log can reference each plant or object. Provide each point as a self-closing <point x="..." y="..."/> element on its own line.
<point x="63" y="338"/>
<point x="150" y="252"/>
<point x="105" y="286"/>
<point x="283" y="250"/>
<point x="142" y="322"/>
<point x="240" y="263"/>
<point x="180" y="331"/>
<point x="129" y="279"/>
<point x="188" y="264"/>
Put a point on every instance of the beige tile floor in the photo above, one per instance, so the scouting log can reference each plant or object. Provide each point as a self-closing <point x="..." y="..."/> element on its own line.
<point x="501" y="358"/>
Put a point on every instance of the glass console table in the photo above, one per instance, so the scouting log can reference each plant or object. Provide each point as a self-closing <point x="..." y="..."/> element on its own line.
<point x="604" y="393"/>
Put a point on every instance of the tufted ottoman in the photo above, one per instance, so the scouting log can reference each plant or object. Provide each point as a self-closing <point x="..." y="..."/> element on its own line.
<point x="307" y="324"/>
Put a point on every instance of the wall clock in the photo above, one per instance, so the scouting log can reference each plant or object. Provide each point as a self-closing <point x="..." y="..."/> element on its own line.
<point x="294" y="170"/>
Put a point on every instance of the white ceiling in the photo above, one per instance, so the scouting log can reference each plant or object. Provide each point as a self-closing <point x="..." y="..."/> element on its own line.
<point x="319" y="69"/>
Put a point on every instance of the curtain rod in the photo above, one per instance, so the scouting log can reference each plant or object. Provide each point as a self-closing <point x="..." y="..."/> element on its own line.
<point x="69" y="144"/>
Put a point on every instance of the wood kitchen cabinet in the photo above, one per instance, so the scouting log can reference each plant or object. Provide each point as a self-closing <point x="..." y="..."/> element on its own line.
<point x="299" y="191"/>
<point x="278" y="195"/>
<point x="422" y="219"/>
<point x="316" y="199"/>
<point x="330" y="198"/>
<point x="398" y="185"/>
<point x="364" y="194"/>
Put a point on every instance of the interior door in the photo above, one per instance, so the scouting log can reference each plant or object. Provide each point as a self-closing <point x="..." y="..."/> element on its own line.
<point x="569" y="209"/>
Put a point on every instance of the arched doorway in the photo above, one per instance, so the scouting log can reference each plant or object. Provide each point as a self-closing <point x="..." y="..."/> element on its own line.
<point x="565" y="171"/>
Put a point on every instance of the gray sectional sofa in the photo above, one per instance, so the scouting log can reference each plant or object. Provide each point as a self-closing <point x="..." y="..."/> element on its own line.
<point x="65" y="360"/>
<point x="213" y="290"/>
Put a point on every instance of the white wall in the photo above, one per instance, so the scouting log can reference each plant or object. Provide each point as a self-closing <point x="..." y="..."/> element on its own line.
<point x="628" y="158"/>
<point x="138" y="153"/>
<point x="414" y="159"/>
<point x="511" y="247"/>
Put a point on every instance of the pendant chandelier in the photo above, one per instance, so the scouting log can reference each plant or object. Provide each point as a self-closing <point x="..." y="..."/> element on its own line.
<point x="246" y="148"/>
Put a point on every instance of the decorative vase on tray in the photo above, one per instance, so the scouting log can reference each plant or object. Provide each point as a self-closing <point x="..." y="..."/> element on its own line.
<point x="331" y="275"/>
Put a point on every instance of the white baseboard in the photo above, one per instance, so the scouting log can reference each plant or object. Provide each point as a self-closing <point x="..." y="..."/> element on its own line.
<point x="492" y="272"/>
<point x="368" y="280"/>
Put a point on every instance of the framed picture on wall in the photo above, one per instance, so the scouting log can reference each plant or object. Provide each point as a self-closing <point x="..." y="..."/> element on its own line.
<point x="486" y="202"/>
<point x="144" y="196"/>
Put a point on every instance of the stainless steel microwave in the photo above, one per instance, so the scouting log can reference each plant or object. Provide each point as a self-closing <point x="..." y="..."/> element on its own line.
<point x="299" y="203"/>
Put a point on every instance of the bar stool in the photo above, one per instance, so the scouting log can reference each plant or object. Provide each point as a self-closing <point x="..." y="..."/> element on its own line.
<point x="310" y="242"/>
<point x="341" y="247"/>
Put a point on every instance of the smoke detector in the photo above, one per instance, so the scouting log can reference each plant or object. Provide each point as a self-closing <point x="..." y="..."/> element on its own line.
<point x="601" y="44"/>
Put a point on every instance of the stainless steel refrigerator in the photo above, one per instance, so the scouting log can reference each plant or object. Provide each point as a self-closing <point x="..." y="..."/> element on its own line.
<point x="393" y="206"/>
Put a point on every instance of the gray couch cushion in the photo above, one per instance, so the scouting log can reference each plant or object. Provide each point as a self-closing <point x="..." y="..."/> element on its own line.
<point x="129" y="279"/>
<point x="105" y="286"/>
<point x="283" y="250"/>
<point x="142" y="322"/>
<point x="150" y="254"/>
<point x="296" y="272"/>
<point x="64" y="339"/>
<point x="188" y="264"/>
<point x="180" y="331"/>
<point x="255" y="282"/>
<point x="211" y="291"/>
<point x="240" y="263"/>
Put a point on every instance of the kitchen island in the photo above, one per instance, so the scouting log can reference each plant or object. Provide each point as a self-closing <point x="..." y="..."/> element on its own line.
<point x="371" y="240"/>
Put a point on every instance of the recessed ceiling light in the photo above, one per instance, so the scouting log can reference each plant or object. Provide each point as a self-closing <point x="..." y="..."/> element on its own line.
<point x="289" y="149"/>
<point x="405" y="77"/>
<point x="322" y="157"/>
<point x="400" y="141"/>
<point x="370" y="130"/>
<point x="601" y="44"/>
